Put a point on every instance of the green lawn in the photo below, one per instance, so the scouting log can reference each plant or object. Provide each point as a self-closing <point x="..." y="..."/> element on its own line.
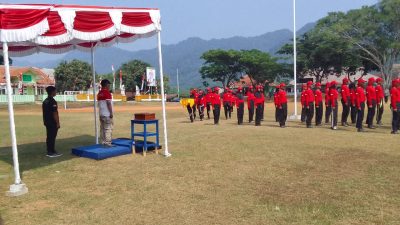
<point x="224" y="174"/>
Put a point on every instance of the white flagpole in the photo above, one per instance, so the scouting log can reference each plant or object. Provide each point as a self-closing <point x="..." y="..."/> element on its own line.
<point x="163" y="99"/>
<point x="295" y="58"/>
<point x="177" y="79"/>
<point x="112" y="67"/>
<point x="94" y="97"/>
<point x="18" y="188"/>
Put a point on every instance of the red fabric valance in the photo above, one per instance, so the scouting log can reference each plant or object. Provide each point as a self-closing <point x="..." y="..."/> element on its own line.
<point x="21" y="18"/>
<point x="92" y="21"/>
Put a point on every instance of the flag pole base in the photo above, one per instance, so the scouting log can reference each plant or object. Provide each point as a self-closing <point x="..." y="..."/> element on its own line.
<point x="167" y="154"/>
<point x="17" y="190"/>
<point x="294" y="117"/>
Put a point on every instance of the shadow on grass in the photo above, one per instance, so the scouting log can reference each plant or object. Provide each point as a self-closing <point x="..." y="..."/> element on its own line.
<point x="33" y="155"/>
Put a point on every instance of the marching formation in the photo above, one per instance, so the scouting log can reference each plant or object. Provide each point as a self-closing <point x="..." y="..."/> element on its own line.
<point x="354" y="98"/>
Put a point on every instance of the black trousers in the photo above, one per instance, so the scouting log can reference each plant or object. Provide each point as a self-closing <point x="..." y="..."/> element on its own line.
<point x="262" y="112"/>
<point x="318" y="114"/>
<point x="216" y="112"/>
<point x="227" y="110"/>
<point x="334" y="115"/>
<point x="371" y="114"/>
<point x="309" y="114"/>
<point x="190" y="111"/>
<point x="353" y="114"/>
<point x="328" y="111"/>
<point x="194" y="111"/>
<point x="303" y="114"/>
<point x="379" y="111"/>
<point x="240" y="112"/>
<point x="208" y="110"/>
<point x="283" y="115"/>
<point x="251" y="111"/>
<point x="51" y="133"/>
<point x="396" y="118"/>
<point x="276" y="114"/>
<point x="258" y="114"/>
<point x="201" y="111"/>
<point x="346" y="110"/>
<point x="360" y="116"/>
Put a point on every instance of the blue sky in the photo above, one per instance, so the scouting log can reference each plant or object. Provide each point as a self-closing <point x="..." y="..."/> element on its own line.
<point x="210" y="19"/>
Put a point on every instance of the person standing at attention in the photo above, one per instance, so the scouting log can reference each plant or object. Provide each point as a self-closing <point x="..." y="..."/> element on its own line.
<point x="51" y="121"/>
<point x="106" y="113"/>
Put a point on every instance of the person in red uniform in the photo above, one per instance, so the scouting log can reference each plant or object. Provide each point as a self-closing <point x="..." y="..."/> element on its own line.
<point x="371" y="102"/>
<point x="208" y="100"/>
<point x="240" y="105"/>
<point x="200" y="102"/>
<point x="395" y="104"/>
<point x="303" y="103"/>
<point x="380" y="96"/>
<point x="216" y="101"/>
<point x="319" y="110"/>
<point x="194" y="94"/>
<point x="233" y="100"/>
<point x="276" y="98"/>
<point x="353" y="108"/>
<point x="328" y="108"/>
<point x="226" y="98"/>
<point x="282" y="105"/>
<point x="309" y="104"/>
<point x="345" y="92"/>
<point x="360" y="104"/>
<point x="333" y="98"/>
<point x="259" y="101"/>
<point x="250" y="103"/>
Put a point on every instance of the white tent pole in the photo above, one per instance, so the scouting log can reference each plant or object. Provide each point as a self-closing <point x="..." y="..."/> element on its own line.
<point x="177" y="79"/>
<point x="163" y="99"/>
<point x="94" y="96"/>
<point x="18" y="188"/>
<point x="295" y="58"/>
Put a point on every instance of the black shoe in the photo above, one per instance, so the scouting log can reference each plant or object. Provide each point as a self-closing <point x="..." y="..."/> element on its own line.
<point x="53" y="155"/>
<point x="394" y="132"/>
<point x="371" y="127"/>
<point x="360" y="130"/>
<point x="283" y="126"/>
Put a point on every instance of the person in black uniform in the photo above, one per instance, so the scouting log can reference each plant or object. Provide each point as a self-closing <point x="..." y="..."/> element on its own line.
<point x="51" y="121"/>
<point x="258" y="105"/>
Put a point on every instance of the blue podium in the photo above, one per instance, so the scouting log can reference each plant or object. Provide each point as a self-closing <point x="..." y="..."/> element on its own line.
<point x="145" y="134"/>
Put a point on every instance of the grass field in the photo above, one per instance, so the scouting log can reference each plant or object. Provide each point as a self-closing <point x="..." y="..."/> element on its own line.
<point x="224" y="174"/>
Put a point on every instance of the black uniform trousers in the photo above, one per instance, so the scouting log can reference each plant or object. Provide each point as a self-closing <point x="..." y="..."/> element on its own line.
<point x="309" y="114"/>
<point x="51" y="132"/>
<point x="379" y="111"/>
<point x="276" y="114"/>
<point x="201" y="111"/>
<point x="262" y="112"/>
<point x="258" y="114"/>
<point x="190" y="111"/>
<point x="303" y="114"/>
<point x="353" y="114"/>
<point x="396" y="118"/>
<point x="251" y="111"/>
<point x="227" y="110"/>
<point x="283" y="114"/>
<point x="318" y="114"/>
<point x="371" y="114"/>
<point x="346" y="110"/>
<point x="208" y="110"/>
<point x="328" y="111"/>
<point x="240" y="112"/>
<point x="216" y="112"/>
<point x="360" y="115"/>
<point x="334" y="115"/>
<point x="194" y="111"/>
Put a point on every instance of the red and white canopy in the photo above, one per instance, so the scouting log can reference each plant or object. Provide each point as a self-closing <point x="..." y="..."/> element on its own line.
<point x="28" y="29"/>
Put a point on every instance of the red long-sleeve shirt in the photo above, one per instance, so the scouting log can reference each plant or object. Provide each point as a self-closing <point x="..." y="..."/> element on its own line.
<point x="327" y="96"/>
<point x="379" y="93"/>
<point x="227" y="97"/>
<point x="309" y="98"/>
<point x="281" y="97"/>
<point x="318" y="97"/>
<point x="216" y="99"/>
<point x="353" y="97"/>
<point x="303" y="98"/>
<point x="360" y="96"/>
<point x="276" y="98"/>
<point x="333" y="97"/>
<point x="394" y="97"/>
<point x="209" y="98"/>
<point x="239" y="99"/>
<point x="250" y="97"/>
<point x="345" y="93"/>
<point x="371" y="95"/>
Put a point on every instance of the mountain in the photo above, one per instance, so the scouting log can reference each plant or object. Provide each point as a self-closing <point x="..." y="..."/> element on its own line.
<point x="184" y="55"/>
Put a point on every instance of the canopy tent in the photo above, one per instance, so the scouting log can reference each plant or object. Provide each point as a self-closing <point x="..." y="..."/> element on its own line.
<point x="28" y="29"/>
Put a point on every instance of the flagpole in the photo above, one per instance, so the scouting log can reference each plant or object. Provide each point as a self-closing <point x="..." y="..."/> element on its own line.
<point x="177" y="79"/>
<point x="295" y="58"/>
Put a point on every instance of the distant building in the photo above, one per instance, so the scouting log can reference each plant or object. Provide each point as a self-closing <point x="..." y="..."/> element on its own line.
<point x="27" y="80"/>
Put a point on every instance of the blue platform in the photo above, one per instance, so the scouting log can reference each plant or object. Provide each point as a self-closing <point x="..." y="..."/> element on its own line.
<point x="98" y="152"/>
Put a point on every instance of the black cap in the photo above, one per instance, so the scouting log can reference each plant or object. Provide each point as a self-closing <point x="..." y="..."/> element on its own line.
<point x="105" y="82"/>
